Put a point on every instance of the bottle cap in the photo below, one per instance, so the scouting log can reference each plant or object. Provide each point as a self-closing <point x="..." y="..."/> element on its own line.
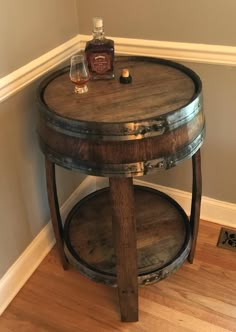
<point x="125" y="72"/>
<point x="125" y="77"/>
<point x="97" y="22"/>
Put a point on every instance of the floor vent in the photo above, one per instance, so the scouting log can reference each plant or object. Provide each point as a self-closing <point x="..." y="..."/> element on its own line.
<point x="227" y="239"/>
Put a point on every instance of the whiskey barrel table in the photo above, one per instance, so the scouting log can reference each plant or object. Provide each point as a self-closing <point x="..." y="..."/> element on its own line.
<point x="124" y="235"/>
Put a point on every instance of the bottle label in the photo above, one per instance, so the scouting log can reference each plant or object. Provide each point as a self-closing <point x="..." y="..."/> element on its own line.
<point x="100" y="62"/>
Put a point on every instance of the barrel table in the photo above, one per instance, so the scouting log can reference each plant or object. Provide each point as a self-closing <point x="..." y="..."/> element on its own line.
<point x="124" y="235"/>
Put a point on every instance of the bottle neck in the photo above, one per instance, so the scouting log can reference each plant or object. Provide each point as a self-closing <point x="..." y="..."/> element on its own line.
<point x="98" y="34"/>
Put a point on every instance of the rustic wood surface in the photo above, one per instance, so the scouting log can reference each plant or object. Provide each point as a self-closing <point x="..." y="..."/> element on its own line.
<point x="196" y="201"/>
<point x="54" y="210"/>
<point x="115" y="124"/>
<point x="199" y="297"/>
<point x="124" y="237"/>
<point x="114" y="152"/>
<point x="161" y="231"/>
<point x="156" y="89"/>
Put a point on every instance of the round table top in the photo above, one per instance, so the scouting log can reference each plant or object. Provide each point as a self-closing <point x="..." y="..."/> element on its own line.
<point x="123" y="129"/>
<point x="158" y="87"/>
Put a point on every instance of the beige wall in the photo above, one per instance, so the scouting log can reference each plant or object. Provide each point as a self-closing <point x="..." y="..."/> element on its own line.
<point x="23" y="198"/>
<point x="218" y="152"/>
<point x="202" y="21"/>
<point x="30" y="28"/>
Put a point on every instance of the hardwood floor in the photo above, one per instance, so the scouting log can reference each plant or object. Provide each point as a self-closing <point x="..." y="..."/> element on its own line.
<point x="199" y="297"/>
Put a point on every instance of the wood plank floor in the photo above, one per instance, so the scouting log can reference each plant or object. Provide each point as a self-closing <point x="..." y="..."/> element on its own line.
<point x="199" y="297"/>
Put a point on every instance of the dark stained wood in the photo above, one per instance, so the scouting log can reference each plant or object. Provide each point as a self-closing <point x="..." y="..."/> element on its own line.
<point x="162" y="232"/>
<point x="113" y="152"/>
<point x="196" y="201"/>
<point x="54" y="209"/>
<point x="124" y="235"/>
<point x="121" y="131"/>
<point x="117" y="129"/>
<point x="156" y="89"/>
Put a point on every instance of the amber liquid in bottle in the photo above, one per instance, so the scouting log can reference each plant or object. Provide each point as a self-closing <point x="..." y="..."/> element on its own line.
<point x="100" y="53"/>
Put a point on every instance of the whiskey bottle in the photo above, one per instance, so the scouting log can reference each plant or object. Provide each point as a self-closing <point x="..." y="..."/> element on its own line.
<point x="100" y="53"/>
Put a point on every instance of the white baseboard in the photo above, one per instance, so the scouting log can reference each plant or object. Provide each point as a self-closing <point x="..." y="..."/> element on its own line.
<point x="191" y="52"/>
<point x="15" y="278"/>
<point x="212" y="210"/>
<point x="26" y="74"/>
<point x="200" y="53"/>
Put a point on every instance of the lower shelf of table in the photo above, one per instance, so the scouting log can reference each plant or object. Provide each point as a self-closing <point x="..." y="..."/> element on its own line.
<point x="162" y="230"/>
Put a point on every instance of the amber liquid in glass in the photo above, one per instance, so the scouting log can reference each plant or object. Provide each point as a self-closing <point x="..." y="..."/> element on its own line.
<point x="81" y="81"/>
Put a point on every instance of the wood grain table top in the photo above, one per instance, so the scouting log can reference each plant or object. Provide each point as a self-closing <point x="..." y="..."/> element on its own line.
<point x="157" y="88"/>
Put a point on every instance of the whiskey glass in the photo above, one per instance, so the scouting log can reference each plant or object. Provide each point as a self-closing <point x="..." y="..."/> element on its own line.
<point x="79" y="73"/>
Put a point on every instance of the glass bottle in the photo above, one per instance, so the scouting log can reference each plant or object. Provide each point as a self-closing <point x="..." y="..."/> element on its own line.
<point x="100" y="53"/>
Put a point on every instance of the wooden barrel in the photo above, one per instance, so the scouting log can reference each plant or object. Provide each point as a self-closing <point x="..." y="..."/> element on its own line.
<point x="123" y="129"/>
<point x="162" y="231"/>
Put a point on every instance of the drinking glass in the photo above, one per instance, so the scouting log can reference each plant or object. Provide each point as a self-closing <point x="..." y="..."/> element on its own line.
<point x="79" y="73"/>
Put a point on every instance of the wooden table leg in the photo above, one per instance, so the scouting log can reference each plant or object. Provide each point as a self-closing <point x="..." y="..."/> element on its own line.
<point x="54" y="209"/>
<point x="124" y="233"/>
<point x="196" y="201"/>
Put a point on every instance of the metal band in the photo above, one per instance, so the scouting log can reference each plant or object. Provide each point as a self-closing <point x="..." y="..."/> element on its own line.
<point x="127" y="170"/>
<point x="127" y="131"/>
<point x="110" y="279"/>
<point x="143" y="280"/>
